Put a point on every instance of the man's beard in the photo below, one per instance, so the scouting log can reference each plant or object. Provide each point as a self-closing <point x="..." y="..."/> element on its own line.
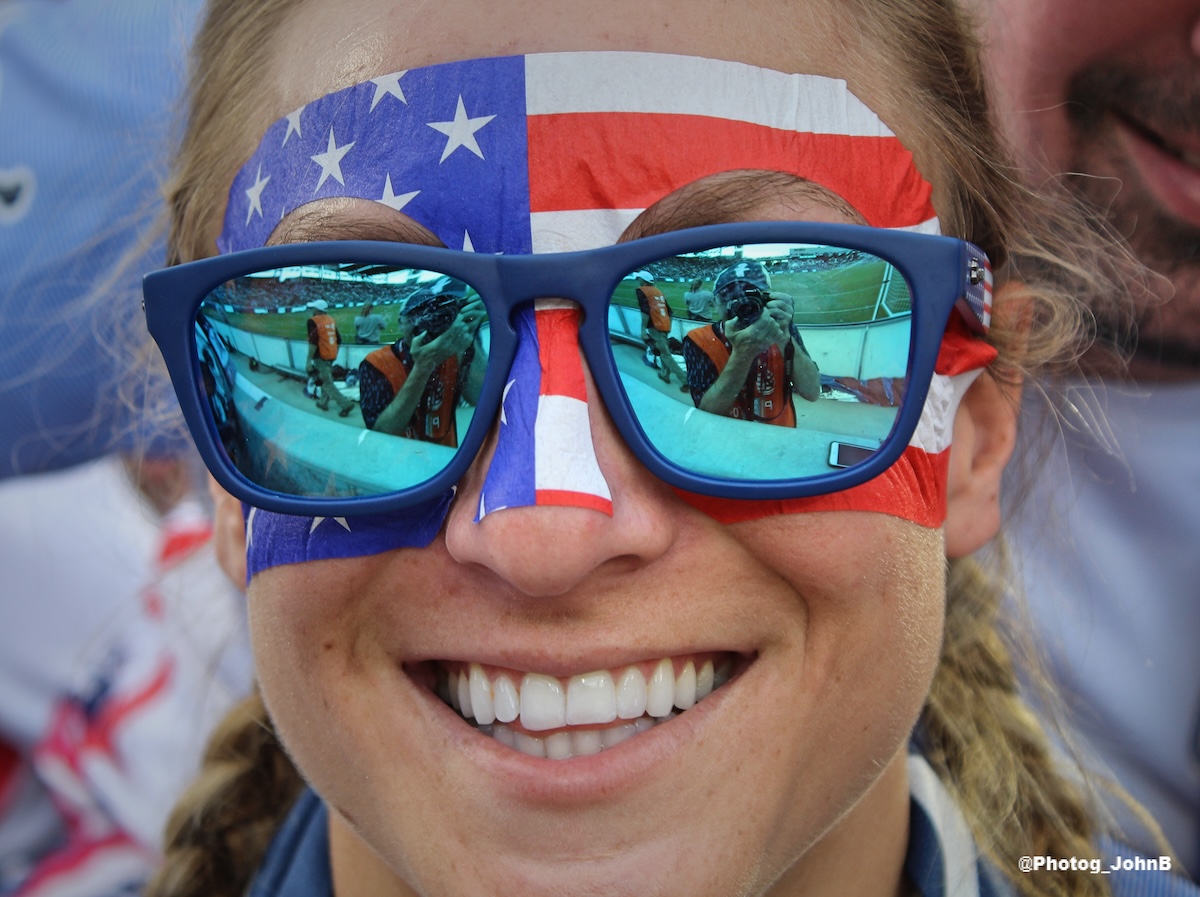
<point x="1168" y="333"/>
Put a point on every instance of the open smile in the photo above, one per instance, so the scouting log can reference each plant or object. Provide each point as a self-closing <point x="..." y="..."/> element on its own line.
<point x="1169" y="165"/>
<point x="555" y="718"/>
<point x="1185" y="149"/>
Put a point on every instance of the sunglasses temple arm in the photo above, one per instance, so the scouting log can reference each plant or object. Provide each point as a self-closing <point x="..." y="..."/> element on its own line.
<point x="975" y="303"/>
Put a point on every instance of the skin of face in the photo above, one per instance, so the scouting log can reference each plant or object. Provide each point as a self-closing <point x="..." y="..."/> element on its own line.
<point x="1111" y="91"/>
<point x="790" y="779"/>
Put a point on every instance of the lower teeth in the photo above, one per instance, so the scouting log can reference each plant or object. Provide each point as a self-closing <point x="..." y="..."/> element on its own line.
<point x="577" y="743"/>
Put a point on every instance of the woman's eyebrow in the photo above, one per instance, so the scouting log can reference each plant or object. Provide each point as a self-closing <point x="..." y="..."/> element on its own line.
<point x="682" y="209"/>
<point x="738" y="196"/>
<point x="319" y="225"/>
<point x="717" y="199"/>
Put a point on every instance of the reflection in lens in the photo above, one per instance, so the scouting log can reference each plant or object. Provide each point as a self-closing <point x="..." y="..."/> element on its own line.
<point x="764" y="361"/>
<point x="308" y="399"/>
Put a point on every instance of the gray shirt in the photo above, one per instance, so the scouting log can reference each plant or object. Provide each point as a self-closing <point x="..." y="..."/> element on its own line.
<point x="368" y="327"/>
<point x="699" y="303"/>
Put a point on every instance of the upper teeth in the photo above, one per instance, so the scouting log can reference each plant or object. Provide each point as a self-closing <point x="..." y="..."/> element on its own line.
<point x="546" y="702"/>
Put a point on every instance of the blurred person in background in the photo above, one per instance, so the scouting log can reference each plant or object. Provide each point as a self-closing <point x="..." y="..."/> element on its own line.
<point x="121" y="640"/>
<point x="1102" y="98"/>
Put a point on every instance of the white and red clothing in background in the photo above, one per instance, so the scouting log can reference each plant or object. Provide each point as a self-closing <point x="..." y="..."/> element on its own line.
<point x="122" y="645"/>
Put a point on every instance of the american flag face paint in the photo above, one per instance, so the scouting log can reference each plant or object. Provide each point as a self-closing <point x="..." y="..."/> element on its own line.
<point x="544" y="452"/>
<point x="558" y="152"/>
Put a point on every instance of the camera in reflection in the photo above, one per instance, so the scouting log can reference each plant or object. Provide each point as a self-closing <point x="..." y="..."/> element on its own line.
<point x="431" y="313"/>
<point x="746" y="305"/>
<point x="743" y="289"/>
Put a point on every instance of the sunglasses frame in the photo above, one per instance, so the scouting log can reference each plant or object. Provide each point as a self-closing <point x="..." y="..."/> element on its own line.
<point x="942" y="273"/>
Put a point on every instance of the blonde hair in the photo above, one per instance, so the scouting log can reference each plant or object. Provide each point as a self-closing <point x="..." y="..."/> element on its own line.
<point x="222" y="825"/>
<point x="986" y="745"/>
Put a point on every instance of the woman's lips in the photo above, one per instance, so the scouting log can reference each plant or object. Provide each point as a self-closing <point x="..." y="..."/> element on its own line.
<point x="1168" y="163"/>
<point x="643" y="755"/>
<point x="581" y="715"/>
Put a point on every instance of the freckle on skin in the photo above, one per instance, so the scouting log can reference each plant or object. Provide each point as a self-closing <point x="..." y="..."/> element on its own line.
<point x="328" y="646"/>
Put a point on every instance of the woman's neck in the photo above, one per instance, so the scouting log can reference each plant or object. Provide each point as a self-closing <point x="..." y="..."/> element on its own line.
<point x="863" y="854"/>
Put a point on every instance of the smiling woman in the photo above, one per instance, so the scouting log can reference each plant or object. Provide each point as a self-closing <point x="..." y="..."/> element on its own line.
<point x="608" y="640"/>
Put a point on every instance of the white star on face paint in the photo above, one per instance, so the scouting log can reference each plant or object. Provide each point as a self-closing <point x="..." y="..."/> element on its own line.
<point x="468" y="246"/>
<point x="388" y="85"/>
<point x="317" y="521"/>
<point x="331" y="161"/>
<point x="250" y="527"/>
<point x="254" y="194"/>
<point x="461" y="131"/>
<point x="391" y="200"/>
<point x="293" y="127"/>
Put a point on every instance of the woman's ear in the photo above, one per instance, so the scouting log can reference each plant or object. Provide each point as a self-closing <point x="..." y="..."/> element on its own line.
<point x="985" y="434"/>
<point x="229" y="534"/>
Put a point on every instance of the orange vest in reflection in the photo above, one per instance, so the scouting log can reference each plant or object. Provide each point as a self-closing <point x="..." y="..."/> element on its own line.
<point x="656" y="308"/>
<point x="327" y="336"/>
<point x="766" y="396"/>
<point x="433" y="419"/>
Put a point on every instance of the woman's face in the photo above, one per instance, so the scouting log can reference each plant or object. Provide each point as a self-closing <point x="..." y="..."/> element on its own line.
<point x="790" y="776"/>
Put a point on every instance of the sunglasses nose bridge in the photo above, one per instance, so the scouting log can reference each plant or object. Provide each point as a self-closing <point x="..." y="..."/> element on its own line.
<point x="572" y="277"/>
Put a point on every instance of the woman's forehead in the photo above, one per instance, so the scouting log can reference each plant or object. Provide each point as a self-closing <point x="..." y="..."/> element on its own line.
<point x="325" y="46"/>
<point x="322" y="47"/>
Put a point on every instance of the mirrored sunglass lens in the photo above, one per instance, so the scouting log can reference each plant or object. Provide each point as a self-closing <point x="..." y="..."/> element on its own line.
<point x="765" y="361"/>
<point x="308" y="373"/>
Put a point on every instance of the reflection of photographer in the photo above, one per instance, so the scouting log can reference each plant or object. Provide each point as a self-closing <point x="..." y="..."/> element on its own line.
<point x="656" y="327"/>
<point x="412" y="387"/>
<point x="324" y="342"/>
<point x="748" y="364"/>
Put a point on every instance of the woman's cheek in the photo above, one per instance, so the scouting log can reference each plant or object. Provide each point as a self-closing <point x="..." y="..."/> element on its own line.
<point x="870" y="588"/>
<point x="301" y="619"/>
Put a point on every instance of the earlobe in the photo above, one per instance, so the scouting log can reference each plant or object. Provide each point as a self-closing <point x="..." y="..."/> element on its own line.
<point x="985" y="433"/>
<point x="229" y="534"/>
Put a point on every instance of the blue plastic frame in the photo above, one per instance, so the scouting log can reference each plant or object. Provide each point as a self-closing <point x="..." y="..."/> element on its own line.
<point x="942" y="273"/>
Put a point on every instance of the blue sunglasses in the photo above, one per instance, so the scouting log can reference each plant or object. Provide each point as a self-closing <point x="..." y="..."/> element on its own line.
<point x="259" y="342"/>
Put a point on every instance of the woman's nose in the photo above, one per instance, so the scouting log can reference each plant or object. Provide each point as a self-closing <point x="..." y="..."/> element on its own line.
<point x="557" y="496"/>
